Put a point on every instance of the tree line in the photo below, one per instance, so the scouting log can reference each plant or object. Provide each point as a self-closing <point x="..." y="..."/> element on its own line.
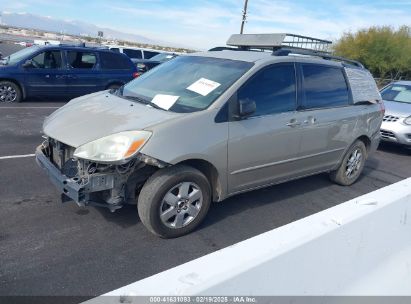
<point x="384" y="50"/>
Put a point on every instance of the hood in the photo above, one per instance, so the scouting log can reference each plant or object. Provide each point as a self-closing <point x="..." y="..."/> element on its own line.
<point x="400" y="109"/>
<point x="100" y="114"/>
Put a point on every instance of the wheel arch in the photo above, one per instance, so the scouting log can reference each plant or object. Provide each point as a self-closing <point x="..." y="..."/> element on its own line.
<point x="366" y="140"/>
<point x="119" y="83"/>
<point x="211" y="172"/>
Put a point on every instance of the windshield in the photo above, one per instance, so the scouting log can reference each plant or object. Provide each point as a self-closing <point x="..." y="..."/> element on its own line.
<point x="186" y="84"/>
<point x="162" y="57"/>
<point x="20" y="55"/>
<point x="397" y="92"/>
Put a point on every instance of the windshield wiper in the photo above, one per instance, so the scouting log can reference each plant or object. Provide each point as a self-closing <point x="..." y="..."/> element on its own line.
<point x="143" y="101"/>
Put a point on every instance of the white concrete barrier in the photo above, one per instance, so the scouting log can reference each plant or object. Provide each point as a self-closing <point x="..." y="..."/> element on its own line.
<point x="361" y="247"/>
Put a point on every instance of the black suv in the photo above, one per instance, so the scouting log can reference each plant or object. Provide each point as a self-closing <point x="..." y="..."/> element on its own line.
<point x="62" y="71"/>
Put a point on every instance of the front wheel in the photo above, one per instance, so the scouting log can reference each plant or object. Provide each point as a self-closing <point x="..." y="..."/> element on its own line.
<point x="174" y="201"/>
<point x="351" y="166"/>
<point x="10" y="92"/>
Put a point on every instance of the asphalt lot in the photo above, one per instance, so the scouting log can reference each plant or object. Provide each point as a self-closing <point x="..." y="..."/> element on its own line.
<point x="49" y="248"/>
<point x="7" y="48"/>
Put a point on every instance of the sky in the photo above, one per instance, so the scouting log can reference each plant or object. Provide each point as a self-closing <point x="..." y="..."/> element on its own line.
<point x="205" y="23"/>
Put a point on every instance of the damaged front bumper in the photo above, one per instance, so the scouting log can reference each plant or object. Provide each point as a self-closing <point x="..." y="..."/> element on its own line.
<point x="89" y="183"/>
<point x="75" y="189"/>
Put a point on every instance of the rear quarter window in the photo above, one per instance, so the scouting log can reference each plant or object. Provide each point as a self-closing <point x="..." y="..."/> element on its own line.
<point x="133" y="53"/>
<point x="113" y="61"/>
<point x="149" y="54"/>
<point x="324" y="87"/>
<point x="363" y="86"/>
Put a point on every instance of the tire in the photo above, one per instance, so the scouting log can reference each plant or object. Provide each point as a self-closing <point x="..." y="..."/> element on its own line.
<point x="173" y="193"/>
<point x="10" y="92"/>
<point x="113" y="86"/>
<point x="351" y="166"/>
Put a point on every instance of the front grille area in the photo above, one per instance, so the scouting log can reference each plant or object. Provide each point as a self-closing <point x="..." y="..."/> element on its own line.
<point x="390" y="118"/>
<point x="61" y="155"/>
<point x="387" y="134"/>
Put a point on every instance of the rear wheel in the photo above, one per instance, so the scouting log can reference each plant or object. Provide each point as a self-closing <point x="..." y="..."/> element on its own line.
<point x="114" y="86"/>
<point x="352" y="165"/>
<point x="10" y="92"/>
<point x="174" y="201"/>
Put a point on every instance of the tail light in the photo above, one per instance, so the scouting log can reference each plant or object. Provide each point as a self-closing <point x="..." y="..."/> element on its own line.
<point x="136" y="74"/>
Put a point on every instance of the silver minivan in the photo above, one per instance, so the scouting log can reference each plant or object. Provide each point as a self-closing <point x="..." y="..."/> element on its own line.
<point x="206" y="126"/>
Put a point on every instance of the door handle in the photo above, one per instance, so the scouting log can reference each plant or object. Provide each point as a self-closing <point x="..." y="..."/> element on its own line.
<point x="293" y="123"/>
<point x="61" y="76"/>
<point x="310" y="120"/>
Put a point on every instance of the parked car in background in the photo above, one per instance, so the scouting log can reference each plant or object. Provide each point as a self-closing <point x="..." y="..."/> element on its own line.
<point x="145" y="65"/>
<point x="206" y="126"/>
<point x="396" y="126"/>
<point x="134" y="53"/>
<point x="62" y="71"/>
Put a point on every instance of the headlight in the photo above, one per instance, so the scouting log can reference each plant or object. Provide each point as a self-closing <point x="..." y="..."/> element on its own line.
<point x="407" y="121"/>
<point x="113" y="148"/>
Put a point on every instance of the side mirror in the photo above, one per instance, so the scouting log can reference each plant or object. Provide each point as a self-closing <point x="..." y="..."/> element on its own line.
<point x="28" y="64"/>
<point x="246" y="107"/>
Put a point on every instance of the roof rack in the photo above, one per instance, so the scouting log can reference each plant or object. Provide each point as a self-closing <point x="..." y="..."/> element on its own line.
<point x="284" y="44"/>
<point x="275" y="41"/>
<point x="85" y="45"/>
<point x="327" y="56"/>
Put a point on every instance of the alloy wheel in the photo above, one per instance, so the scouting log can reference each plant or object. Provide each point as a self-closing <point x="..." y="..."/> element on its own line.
<point x="7" y="94"/>
<point x="181" y="205"/>
<point x="354" y="163"/>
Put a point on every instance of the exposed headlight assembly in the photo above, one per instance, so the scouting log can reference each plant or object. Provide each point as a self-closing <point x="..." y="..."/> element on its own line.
<point x="407" y="121"/>
<point x="113" y="148"/>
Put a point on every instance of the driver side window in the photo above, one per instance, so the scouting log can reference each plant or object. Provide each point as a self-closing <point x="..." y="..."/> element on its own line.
<point x="273" y="89"/>
<point x="47" y="60"/>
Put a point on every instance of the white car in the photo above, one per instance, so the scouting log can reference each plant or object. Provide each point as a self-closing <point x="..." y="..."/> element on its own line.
<point x="396" y="126"/>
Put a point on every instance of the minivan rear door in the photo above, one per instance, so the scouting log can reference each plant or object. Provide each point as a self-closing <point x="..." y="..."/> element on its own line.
<point x="327" y="116"/>
<point x="83" y="76"/>
<point x="262" y="148"/>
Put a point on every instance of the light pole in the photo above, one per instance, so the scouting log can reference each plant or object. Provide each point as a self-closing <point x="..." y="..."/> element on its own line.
<point x="244" y="16"/>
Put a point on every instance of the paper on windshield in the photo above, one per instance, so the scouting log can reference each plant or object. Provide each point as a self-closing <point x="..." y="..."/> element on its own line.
<point x="203" y="86"/>
<point x="165" y="101"/>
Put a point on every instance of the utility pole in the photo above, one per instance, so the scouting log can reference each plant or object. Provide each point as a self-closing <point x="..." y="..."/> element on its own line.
<point x="244" y="16"/>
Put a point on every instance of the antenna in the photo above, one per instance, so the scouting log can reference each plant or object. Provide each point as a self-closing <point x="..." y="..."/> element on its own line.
<point x="244" y="16"/>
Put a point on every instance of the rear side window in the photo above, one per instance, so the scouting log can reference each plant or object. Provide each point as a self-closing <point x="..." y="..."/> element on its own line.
<point x="113" y="61"/>
<point x="133" y="53"/>
<point x="273" y="89"/>
<point x="324" y="87"/>
<point x="149" y="54"/>
<point x="81" y="60"/>
<point x="117" y="50"/>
